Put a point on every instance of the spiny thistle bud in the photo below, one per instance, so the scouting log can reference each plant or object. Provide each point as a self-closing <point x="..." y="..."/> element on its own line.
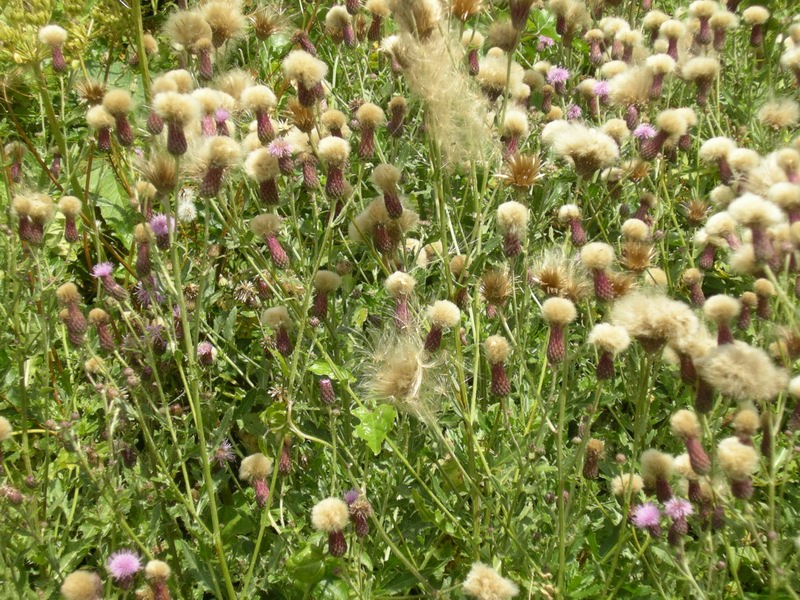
<point x="369" y="117"/>
<point x="693" y="278"/>
<point x="82" y="585"/>
<point x="99" y="119"/>
<point x="119" y="103"/>
<point x="325" y="282"/>
<point x="685" y="425"/>
<point x="656" y="471"/>
<point x="722" y="309"/>
<point x="764" y="291"/>
<point x="334" y="153"/>
<point x="400" y="286"/>
<point x="738" y="461"/>
<point x="142" y="235"/>
<point x="255" y="469"/>
<point x="260" y="101"/>
<point x="100" y="319"/>
<point x="70" y="207"/>
<point x="218" y="154"/>
<point x="610" y="340"/>
<point x="103" y="271"/>
<point x="281" y="149"/>
<point x="331" y="516"/>
<point x="206" y="354"/>
<point x="69" y="298"/>
<point x="262" y="166"/>
<point x="386" y="177"/>
<point x="266" y="227"/>
<point x="285" y="461"/>
<point x="520" y="9"/>
<point x="55" y="36"/>
<point x="397" y="112"/>
<point x="571" y="214"/>
<point x="591" y="461"/>
<point x="442" y="314"/>
<point x="177" y="111"/>
<point x="326" y="391"/>
<point x="598" y="257"/>
<point x="307" y="72"/>
<point x="157" y="573"/>
<point x="497" y="351"/>
<point x="558" y="312"/>
<point x="756" y="17"/>
<point x="277" y="318"/>
<point x="512" y="222"/>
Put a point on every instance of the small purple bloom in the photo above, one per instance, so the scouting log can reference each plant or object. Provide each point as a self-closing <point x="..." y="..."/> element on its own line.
<point x="557" y="75"/>
<point x="351" y="496"/>
<point x="573" y="112"/>
<point x="544" y="43"/>
<point x="103" y="269"/>
<point x="160" y="224"/>
<point x="206" y="353"/>
<point x="678" y="508"/>
<point x="645" y="131"/>
<point x="646" y="515"/>
<point x="123" y="565"/>
<point x="223" y="454"/>
<point x="221" y="115"/>
<point x="279" y="148"/>
<point x="147" y="292"/>
<point x="600" y="89"/>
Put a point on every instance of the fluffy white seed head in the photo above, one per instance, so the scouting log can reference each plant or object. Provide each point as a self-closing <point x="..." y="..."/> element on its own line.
<point x="515" y="123"/>
<point x="300" y="66"/>
<point x="157" y="570"/>
<point x="569" y="212"/>
<point x="176" y="108"/>
<point x="559" y="311"/>
<point x="258" y="98"/>
<point x="261" y="165"/>
<point x="330" y="515"/>
<point x="656" y="464"/>
<point x="277" y="317"/>
<point x="738" y="461"/>
<point x="497" y="349"/>
<point x="716" y="149"/>
<point x="334" y="150"/>
<point x="484" y="583"/>
<point x="721" y="308"/>
<point x="635" y="230"/>
<point x="327" y="281"/>
<point x="684" y="424"/>
<point x="750" y="209"/>
<point x="444" y="313"/>
<point x="255" y="467"/>
<point x="512" y="218"/>
<point x="755" y="15"/>
<point x="609" y="338"/>
<point x="52" y="35"/>
<point x="6" y="429"/>
<point x="597" y="255"/>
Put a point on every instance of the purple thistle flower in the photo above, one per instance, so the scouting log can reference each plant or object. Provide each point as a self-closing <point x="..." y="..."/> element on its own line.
<point x="206" y="353"/>
<point x="221" y="115"/>
<point x="147" y="292"/>
<point x="573" y="112"/>
<point x="600" y="89"/>
<point x="103" y="269"/>
<point x="678" y="508"/>
<point x="646" y="515"/>
<point x="123" y="566"/>
<point x="645" y="131"/>
<point x="544" y="43"/>
<point x="557" y="75"/>
<point x="351" y="496"/>
<point x="279" y="148"/>
<point x="160" y="224"/>
<point x="223" y="454"/>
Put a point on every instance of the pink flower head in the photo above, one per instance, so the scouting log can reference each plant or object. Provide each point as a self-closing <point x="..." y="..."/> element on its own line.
<point x="646" y="515"/>
<point x="221" y="114"/>
<point x="351" y="496"/>
<point x="123" y="565"/>
<point x="573" y="112"/>
<point x="600" y="89"/>
<point x="279" y="148"/>
<point x="545" y="42"/>
<point x="160" y="224"/>
<point x="103" y="269"/>
<point x="678" y="508"/>
<point x="645" y="131"/>
<point x="223" y="454"/>
<point x="557" y="75"/>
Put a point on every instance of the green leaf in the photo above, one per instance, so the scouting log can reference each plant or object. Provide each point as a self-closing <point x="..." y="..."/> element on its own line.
<point x="307" y="565"/>
<point x="331" y="589"/>
<point x="375" y="425"/>
<point x="114" y="205"/>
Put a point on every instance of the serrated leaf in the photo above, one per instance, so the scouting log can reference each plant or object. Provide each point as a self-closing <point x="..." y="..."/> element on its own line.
<point x="307" y="565"/>
<point x="375" y="425"/>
